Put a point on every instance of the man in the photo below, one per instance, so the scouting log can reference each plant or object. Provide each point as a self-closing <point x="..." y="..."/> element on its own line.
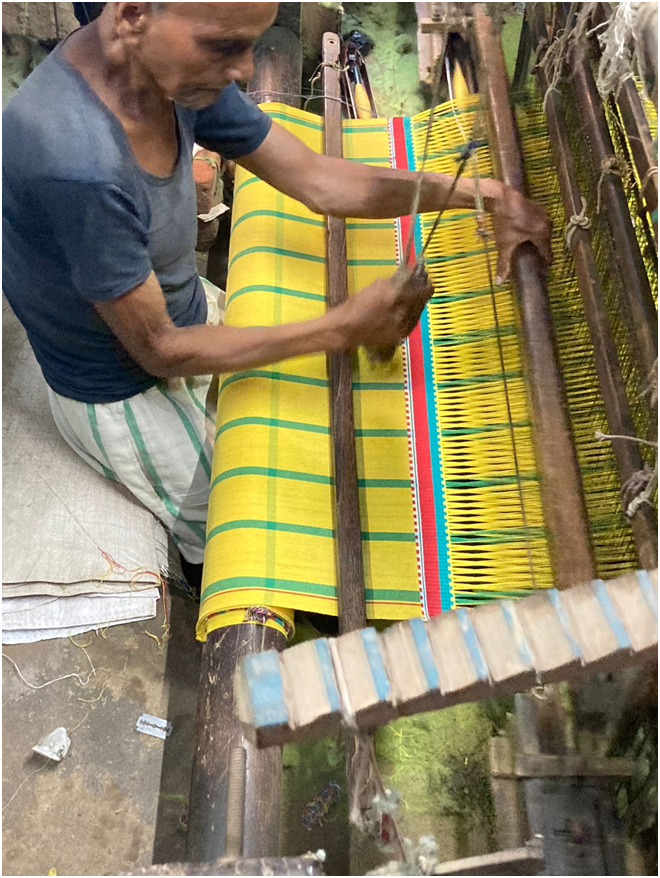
<point x="99" y="232"/>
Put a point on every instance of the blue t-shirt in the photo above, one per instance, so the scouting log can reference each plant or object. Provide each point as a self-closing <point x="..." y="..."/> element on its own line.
<point x="83" y="222"/>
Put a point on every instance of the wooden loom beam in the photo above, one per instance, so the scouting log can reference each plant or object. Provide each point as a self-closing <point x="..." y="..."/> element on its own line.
<point x="637" y="127"/>
<point x="637" y="299"/>
<point x="612" y="387"/>
<point x="498" y="648"/>
<point x="235" y="789"/>
<point x="561" y="488"/>
<point x="362" y="774"/>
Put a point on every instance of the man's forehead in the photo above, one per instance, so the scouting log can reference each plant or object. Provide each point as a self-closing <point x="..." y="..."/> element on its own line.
<point x="226" y="19"/>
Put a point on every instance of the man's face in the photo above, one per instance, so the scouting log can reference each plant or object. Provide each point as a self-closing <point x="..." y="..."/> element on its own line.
<point x="193" y="50"/>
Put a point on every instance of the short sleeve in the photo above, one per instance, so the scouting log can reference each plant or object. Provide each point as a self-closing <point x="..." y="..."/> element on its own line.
<point x="101" y="234"/>
<point x="233" y="125"/>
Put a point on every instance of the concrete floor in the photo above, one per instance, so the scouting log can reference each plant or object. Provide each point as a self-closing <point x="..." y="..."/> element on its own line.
<point x="116" y="799"/>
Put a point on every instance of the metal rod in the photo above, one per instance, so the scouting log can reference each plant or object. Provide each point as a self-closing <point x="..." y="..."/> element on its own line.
<point x="612" y="387"/>
<point x="561" y="488"/>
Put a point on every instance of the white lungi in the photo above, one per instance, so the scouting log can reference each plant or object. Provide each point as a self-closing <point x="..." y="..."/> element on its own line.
<point x="159" y="444"/>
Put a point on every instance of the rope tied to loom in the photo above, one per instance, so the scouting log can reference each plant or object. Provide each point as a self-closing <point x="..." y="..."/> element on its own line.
<point x="577" y="221"/>
<point x="614" y="165"/>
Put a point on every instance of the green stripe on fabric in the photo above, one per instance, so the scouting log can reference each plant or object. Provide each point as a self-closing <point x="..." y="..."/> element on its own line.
<point x="281" y="291"/>
<point x="492" y="482"/>
<point x="280" y="215"/>
<point x="358" y="262"/>
<point x="236" y="583"/>
<point x="189" y="427"/>
<point x="295" y="475"/>
<point x="512" y="535"/>
<point x="476" y="379"/>
<point x="449" y="218"/>
<point x="304" y="379"/>
<point x="360" y="226"/>
<point x="247" y="182"/>
<point x="302" y="123"/>
<point x="364" y="129"/>
<point x="371" y="160"/>
<point x="371" y="433"/>
<point x="459" y="297"/>
<point x="306" y="530"/>
<point x="293" y="254"/>
<point x="472" y="335"/>
<point x="200" y="405"/>
<point x="437" y="260"/>
<point x="271" y="472"/>
<point x="154" y="478"/>
<point x="94" y="424"/>
<point x="489" y="428"/>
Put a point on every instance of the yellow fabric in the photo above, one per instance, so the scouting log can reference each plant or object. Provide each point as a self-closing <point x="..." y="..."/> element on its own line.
<point x="270" y="532"/>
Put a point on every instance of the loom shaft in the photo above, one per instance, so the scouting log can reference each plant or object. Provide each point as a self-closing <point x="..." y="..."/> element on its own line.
<point x="563" y="501"/>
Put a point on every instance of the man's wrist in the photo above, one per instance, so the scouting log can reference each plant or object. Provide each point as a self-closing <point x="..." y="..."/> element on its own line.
<point x="492" y="192"/>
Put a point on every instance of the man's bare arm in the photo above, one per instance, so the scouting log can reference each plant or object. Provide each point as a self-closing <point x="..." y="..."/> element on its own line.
<point x="140" y="321"/>
<point x="337" y="187"/>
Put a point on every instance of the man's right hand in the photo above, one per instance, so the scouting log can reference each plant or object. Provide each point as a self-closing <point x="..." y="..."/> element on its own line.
<point x="385" y="312"/>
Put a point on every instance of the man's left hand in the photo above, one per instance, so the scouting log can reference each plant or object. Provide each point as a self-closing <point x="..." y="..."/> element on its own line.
<point x="516" y="220"/>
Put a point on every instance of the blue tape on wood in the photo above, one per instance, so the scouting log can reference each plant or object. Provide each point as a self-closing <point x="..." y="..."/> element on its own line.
<point x="424" y="652"/>
<point x="555" y="599"/>
<point x="375" y="659"/>
<point x="265" y="690"/>
<point x="516" y="633"/>
<point x="606" y="605"/>
<point x="648" y="590"/>
<point x="472" y="643"/>
<point x="327" y="673"/>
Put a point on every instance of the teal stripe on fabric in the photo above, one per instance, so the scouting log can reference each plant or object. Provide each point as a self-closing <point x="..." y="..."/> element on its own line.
<point x="302" y="123"/>
<point x="477" y="379"/>
<point x="189" y="427"/>
<point x="376" y="663"/>
<point x="239" y="583"/>
<point x="155" y="480"/>
<point x="489" y="428"/>
<point x="281" y="291"/>
<point x="492" y="482"/>
<point x="472" y="643"/>
<point x="306" y="530"/>
<point x="606" y="605"/>
<point x="362" y="129"/>
<point x="472" y="335"/>
<point x="425" y="652"/>
<point x="270" y="472"/>
<point x="294" y="475"/>
<point x="356" y="262"/>
<point x="361" y="226"/>
<point x="200" y="405"/>
<point x="94" y="424"/>
<point x="280" y="215"/>
<point x="273" y="422"/>
<point x="304" y="379"/>
<point x="437" y="260"/>
<point x="648" y="591"/>
<point x="278" y="251"/>
<point x="372" y="160"/>
<point x="261" y="671"/>
<point x="522" y="646"/>
<point x="247" y="182"/>
<point x="367" y="433"/>
<point x="555" y="599"/>
<point x="327" y="673"/>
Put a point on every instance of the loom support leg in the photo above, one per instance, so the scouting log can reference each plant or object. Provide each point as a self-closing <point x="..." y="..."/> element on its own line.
<point x="218" y="735"/>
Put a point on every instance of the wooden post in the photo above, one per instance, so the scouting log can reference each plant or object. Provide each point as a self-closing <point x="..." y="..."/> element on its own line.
<point x="612" y="386"/>
<point x="636" y="125"/>
<point x="361" y="770"/>
<point x="218" y="735"/>
<point x="216" y="790"/>
<point x="637" y="302"/>
<point x="561" y="488"/>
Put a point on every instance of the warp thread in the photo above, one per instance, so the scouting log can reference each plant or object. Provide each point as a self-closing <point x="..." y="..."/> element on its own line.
<point x="577" y="221"/>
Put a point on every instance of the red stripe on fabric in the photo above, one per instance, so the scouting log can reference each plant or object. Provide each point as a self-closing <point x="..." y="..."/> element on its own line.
<point x="424" y="487"/>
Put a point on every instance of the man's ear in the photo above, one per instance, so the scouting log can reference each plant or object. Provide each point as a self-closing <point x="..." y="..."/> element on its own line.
<point x="130" y="19"/>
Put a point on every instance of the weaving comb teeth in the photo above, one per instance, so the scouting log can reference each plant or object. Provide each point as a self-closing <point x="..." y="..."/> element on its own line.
<point x="414" y="289"/>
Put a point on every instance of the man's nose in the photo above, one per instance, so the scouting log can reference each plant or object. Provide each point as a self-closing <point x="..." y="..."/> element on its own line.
<point x="243" y="68"/>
